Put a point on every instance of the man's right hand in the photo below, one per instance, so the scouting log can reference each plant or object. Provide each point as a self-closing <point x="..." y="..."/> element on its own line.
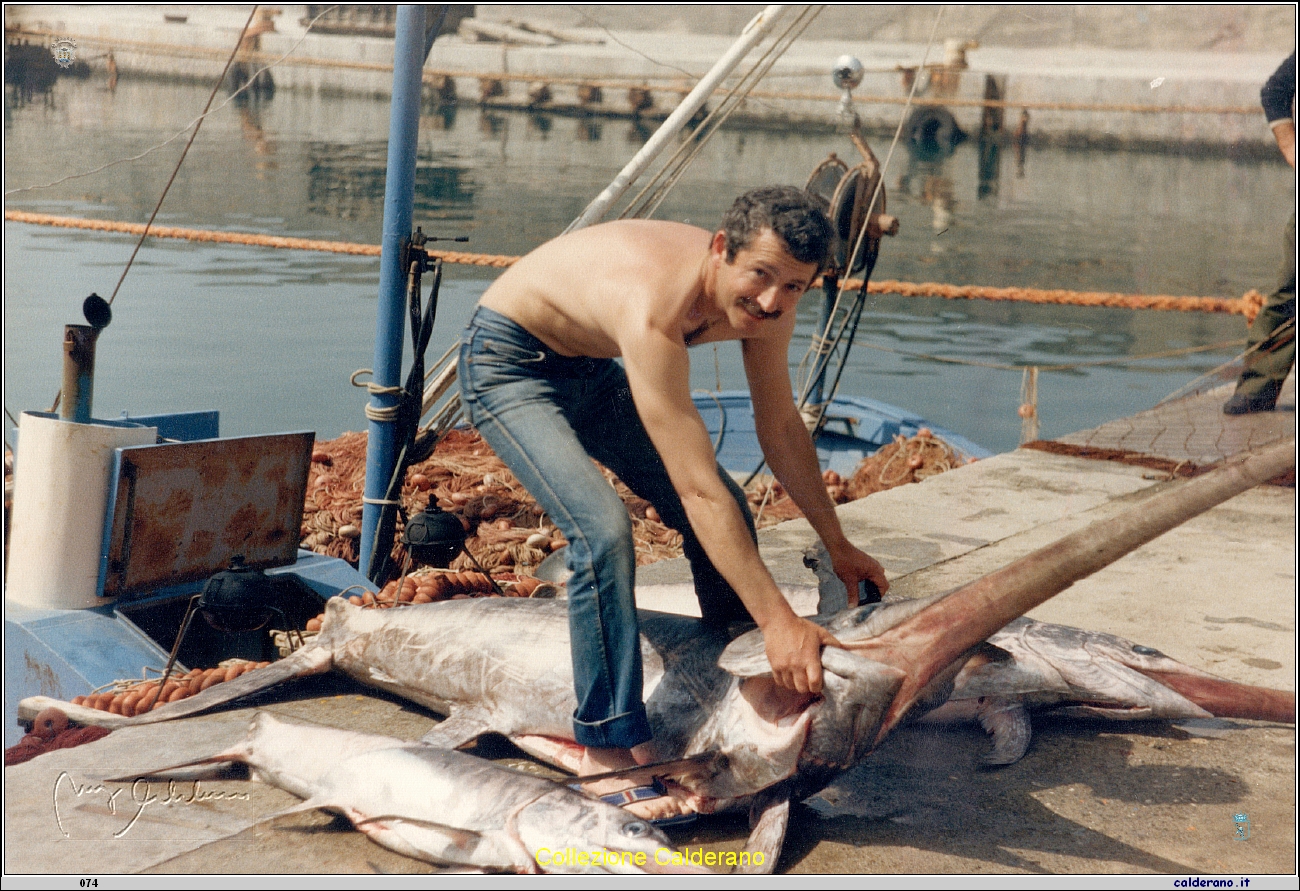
<point x="794" y="648"/>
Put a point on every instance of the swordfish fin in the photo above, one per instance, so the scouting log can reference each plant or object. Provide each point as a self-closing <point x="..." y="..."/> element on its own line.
<point x="769" y="816"/>
<point x="462" y="726"/>
<point x="307" y="661"/>
<point x="318" y="802"/>
<point x="233" y="755"/>
<point x="456" y="845"/>
<point x="1008" y="723"/>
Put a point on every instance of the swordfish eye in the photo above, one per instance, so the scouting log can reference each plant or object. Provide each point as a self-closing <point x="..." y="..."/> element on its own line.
<point x="635" y="829"/>
<point x="1146" y="651"/>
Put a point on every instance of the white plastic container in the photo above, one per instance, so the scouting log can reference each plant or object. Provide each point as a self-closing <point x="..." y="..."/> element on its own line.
<point x="61" y="478"/>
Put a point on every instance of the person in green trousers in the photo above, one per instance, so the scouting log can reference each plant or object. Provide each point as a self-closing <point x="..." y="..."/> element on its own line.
<point x="1272" y="334"/>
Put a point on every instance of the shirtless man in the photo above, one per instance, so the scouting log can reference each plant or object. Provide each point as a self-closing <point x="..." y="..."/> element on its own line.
<point x="539" y="382"/>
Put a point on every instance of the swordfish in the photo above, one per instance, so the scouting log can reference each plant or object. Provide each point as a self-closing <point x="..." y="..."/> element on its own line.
<point x="448" y="807"/>
<point x="503" y="666"/>
<point x="1031" y="666"/>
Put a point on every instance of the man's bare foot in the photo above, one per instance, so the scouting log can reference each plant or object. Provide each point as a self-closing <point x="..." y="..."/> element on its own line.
<point x="597" y="761"/>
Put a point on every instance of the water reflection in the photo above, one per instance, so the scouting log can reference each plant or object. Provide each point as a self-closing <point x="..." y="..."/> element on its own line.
<point x="540" y="124"/>
<point x="314" y="165"/>
<point x="250" y="124"/>
<point x="990" y="169"/>
<point x="441" y="118"/>
<point x="347" y="182"/>
<point x="926" y="180"/>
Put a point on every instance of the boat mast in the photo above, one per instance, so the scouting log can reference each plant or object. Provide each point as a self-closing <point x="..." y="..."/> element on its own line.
<point x="409" y="50"/>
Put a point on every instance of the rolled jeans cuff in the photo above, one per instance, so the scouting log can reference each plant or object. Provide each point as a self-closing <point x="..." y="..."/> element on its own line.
<point x="619" y="732"/>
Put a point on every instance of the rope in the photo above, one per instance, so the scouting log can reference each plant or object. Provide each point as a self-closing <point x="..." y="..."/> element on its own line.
<point x="1238" y="306"/>
<point x="654" y="83"/>
<point x="249" y="238"/>
<point x="374" y="413"/>
<point x="1247" y="305"/>
<point x="722" y="416"/>
<point x="1101" y="108"/>
<point x="1217" y="374"/>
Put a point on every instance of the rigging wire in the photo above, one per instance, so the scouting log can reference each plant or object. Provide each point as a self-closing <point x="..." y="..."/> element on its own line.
<point x="177" y="169"/>
<point x="614" y="37"/>
<point x="805" y="387"/>
<point x="731" y="104"/>
<point x="658" y="186"/>
<point x="197" y="123"/>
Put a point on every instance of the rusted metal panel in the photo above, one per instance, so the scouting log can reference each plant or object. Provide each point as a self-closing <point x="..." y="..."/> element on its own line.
<point x="181" y="511"/>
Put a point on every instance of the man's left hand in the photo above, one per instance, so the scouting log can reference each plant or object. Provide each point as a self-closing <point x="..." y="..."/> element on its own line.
<point x="852" y="566"/>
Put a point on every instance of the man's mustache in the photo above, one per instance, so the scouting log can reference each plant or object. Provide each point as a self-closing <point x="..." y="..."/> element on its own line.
<point x="749" y="306"/>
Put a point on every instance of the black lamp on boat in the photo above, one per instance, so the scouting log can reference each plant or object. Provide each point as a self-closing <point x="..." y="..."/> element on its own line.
<point x="434" y="537"/>
<point x="236" y="600"/>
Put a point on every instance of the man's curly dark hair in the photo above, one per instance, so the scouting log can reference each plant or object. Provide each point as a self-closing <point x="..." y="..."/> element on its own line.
<point x="795" y="216"/>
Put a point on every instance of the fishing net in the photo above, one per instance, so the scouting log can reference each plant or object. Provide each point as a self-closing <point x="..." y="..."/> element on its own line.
<point x="509" y="535"/>
<point x="50" y="731"/>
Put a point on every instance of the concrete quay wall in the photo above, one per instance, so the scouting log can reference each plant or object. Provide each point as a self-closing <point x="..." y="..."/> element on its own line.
<point x="1113" y="97"/>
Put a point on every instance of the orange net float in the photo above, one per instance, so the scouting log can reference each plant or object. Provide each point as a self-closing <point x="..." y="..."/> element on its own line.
<point x="131" y="698"/>
<point x="50" y="731"/>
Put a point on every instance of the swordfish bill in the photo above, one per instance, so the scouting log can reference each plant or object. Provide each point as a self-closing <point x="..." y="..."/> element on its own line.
<point x="937" y="636"/>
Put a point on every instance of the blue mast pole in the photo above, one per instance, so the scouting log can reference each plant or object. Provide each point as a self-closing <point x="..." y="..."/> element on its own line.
<point x="399" y="197"/>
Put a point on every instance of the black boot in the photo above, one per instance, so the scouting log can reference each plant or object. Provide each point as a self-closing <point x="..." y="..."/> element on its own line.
<point x="1264" y="400"/>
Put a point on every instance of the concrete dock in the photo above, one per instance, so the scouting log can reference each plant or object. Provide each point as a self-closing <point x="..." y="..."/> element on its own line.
<point x="1218" y="593"/>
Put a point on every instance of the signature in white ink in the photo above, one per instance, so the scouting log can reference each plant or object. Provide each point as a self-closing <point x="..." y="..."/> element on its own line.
<point x="142" y="796"/>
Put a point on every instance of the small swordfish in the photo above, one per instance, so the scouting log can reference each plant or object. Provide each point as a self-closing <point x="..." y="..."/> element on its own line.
<point x="502" y="665"/>
<point x="447" y="807"/>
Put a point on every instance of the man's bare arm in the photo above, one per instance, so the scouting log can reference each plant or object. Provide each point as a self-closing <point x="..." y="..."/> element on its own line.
<point x="1284" y="133"/>
<point x="791" y="454"/>
<point x="658" y="372"/>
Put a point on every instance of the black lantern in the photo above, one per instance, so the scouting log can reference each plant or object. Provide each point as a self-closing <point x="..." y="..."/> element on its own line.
<point x="433" y="537"/>
<point x="239" y="599"/>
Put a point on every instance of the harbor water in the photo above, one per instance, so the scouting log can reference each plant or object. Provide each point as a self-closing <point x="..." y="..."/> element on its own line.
<point x="271" y="337"/>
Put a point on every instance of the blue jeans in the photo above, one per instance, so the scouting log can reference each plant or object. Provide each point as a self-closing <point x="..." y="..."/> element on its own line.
<point x="546" y="416"/>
